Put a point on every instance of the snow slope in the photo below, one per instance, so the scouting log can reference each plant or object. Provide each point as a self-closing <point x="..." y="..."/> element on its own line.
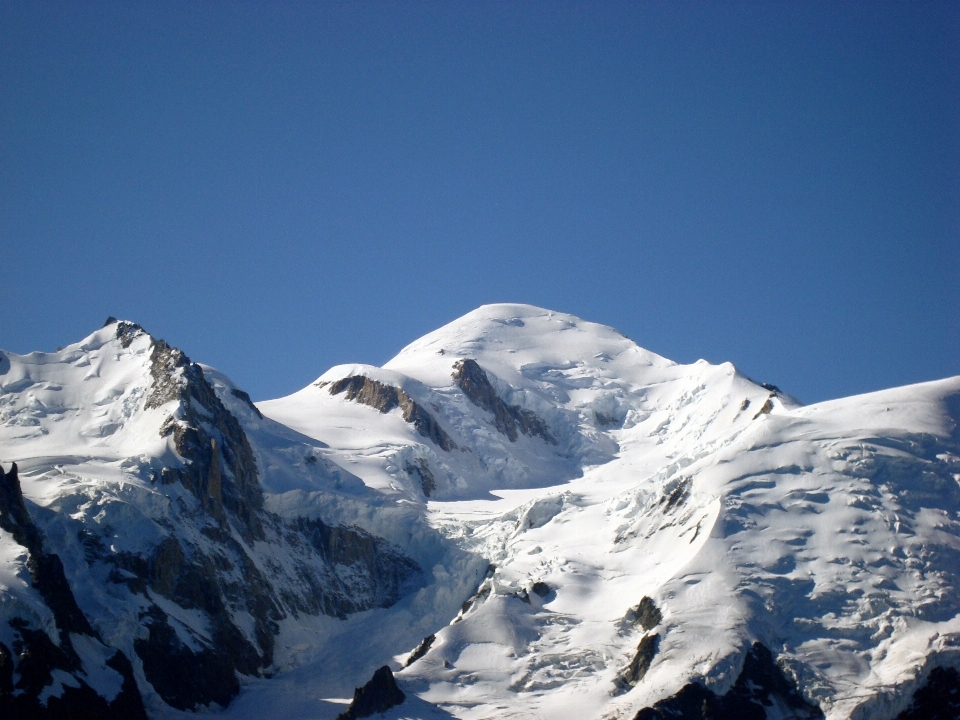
<point x="829" y="533"/>
<point x="596" y="527"/>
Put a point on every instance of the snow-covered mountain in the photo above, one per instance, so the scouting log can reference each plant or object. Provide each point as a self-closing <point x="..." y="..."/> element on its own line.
<point x="524" y="514"/>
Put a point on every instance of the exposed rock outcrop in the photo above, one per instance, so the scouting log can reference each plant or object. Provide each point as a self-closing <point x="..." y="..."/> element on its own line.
<point x="541" y="589"/>
<point x="219" y="467"/>
<point x="676" y="494"/>
<point x="377" y="696"/>
<point x="338" y="571"/>
<point x="937" y="699"/>
<point x="646" y="614"/>
<point x="385" y="398"/>
<point x="46" y="569"/>
<point x="508" y="419"/>
<point x="14" y="517"/>
<point x="634" y="672"/>
<point x="127" y="332"/>
<point x="222" y="583"/>
<point x="761" y="684"/>
<point x="421" y="470"/>
<point x="185" y="678"/>
<point x="210" y="571"/>
<point x="766" y="408"/>
<point x="379" y="573"/>
<point x="29" y="669"/>
<point x="422" y="649"/>
<point x="38" y="659"/>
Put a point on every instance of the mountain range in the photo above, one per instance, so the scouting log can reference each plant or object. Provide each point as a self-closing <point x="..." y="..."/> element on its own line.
<point x="521" y="515"/>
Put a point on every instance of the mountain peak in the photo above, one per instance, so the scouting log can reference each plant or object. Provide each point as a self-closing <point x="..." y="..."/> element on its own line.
<point x="506" y="338"/>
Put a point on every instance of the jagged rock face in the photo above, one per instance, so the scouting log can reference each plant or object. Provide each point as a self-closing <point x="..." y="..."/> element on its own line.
<point x="349" y="571"/>
<point x="27" y="669"/>
<point x="14" y="517"/>
<point x="646" y="614"/>
<point x="222" y="583"/>
<point x="422" y="649"/>
<point x="766" y="409"/>
<point x="508" y="419"/>
<point x="377" y="696"/>
<point x="634" y="672"/>
<point x="210" y="571"/>
<point x="760" y="685"/>
<point x="209" y="439"/>
<point x="46" y="570"/>
<point x="378" y="576"/>
<point x="385" y="398"/>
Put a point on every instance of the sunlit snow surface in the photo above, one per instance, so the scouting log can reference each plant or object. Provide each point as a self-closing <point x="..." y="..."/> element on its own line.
<point x="830" y="532"/>
<point x="827" y="532"/>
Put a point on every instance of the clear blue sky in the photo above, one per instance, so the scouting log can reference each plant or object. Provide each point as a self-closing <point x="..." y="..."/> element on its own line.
<point x="280" y="187"/>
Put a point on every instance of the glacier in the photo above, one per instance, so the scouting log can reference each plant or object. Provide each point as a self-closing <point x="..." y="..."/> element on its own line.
<point x="522" y="514"/>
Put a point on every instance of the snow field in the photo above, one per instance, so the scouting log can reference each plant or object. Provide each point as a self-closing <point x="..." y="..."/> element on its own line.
<point x="830" y="533"/>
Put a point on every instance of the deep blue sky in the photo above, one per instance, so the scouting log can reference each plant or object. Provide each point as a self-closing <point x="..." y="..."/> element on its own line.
<point x="280" y="187"/>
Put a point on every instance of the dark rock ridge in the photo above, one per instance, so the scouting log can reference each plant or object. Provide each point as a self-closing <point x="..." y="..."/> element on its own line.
<point x="766" y="409"/>
<point x="28" y="669"/>
<point x="377" y="696"/>
<point x="218" y="582"/>
<point x="387" y="397"/>
<point x="422" y="649"/>
<point x="508" y="419"/>
<point x="127" y="332"/>
<point x="677" y="495"/>
<point x="211" y="571"/>
<point x="245" y="398"/>
<point x="761" y="685"/>
<point x="634" y="672"/>
<point x="219" y="467"/>
<point x="482" y="593"/>
<point x="46" y="570"/>
<point x="338" y="571"/>
<point x="937" y="699"/>
<point x="421" y="470"/>
<point x="646" y="614"/>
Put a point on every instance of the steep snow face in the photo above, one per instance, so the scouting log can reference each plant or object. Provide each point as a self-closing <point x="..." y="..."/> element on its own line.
<point x="828" y="534"/>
